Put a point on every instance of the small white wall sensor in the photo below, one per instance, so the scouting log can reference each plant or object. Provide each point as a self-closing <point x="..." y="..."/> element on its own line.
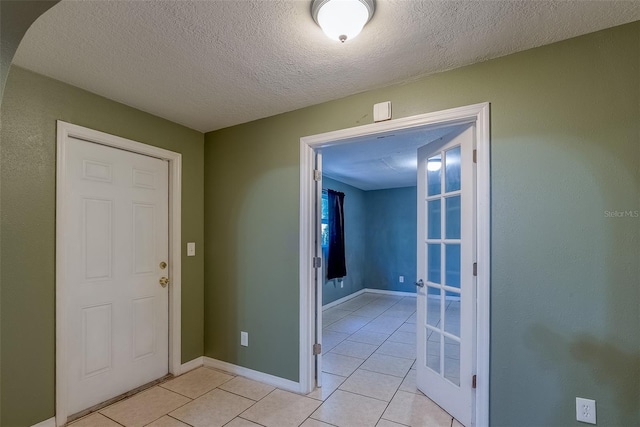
<point x="382" y="111"/>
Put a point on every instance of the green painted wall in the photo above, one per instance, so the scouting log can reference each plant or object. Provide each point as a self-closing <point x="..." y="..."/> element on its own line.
<point x="565" y="123"/>
<point x="30" y="107"/>
<point x="15" y="19"/>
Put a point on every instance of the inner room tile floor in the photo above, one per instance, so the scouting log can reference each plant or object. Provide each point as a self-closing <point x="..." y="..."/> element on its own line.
<point x="368" y="379"/>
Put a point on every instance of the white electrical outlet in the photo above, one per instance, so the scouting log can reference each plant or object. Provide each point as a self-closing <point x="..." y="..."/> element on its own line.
<point x="244" y="339"/>
<point x="585" y="410"/>
<point x="401" y="279"/>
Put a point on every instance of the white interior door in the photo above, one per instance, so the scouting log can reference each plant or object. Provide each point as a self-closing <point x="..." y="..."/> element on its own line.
<point x="446" y="254"/>
<point x="115" y="255"/>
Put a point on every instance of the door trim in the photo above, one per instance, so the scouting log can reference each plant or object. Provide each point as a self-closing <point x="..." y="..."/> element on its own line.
<point x="64" y="132"/>
<point x="478" y="114"/>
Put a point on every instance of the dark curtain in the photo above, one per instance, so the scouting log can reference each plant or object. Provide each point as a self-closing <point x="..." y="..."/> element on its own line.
<point x="336" y="265"/>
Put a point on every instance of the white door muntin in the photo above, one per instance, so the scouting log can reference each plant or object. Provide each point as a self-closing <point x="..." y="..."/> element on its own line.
<point x="446" y="381"/>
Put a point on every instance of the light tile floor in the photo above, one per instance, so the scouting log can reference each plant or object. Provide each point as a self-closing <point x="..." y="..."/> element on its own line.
<point x="368" y="380"/>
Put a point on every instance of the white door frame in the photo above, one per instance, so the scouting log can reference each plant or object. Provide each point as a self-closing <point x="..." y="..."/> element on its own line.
<point x="64" y="132"/>
<point x="478" y="114"/>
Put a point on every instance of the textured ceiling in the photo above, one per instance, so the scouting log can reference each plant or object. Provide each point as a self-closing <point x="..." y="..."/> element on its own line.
<point x="380" y="162"/>
<point x="213" y="64"/>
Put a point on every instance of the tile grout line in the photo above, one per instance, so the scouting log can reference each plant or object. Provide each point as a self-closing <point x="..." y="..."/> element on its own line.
<point x="174" y="409"/>
<point x="183" y="422"/>
<point x="191" y="399"/>
<point x="359" y="366"/>
<point x="106" y="416"/>
<point x="246" y="419"/>
<point x="238" y="416"/>
<point x="253" y="404"/>
<point x="387" y="339"/>
<point x="403" y="378"/>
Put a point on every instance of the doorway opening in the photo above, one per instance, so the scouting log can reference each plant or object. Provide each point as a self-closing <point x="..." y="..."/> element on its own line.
<point x="475" y="117"/>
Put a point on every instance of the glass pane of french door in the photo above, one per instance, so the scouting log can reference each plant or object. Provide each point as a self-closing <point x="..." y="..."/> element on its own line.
<point x="443" y="223"/>
<point x="446" y="252"/>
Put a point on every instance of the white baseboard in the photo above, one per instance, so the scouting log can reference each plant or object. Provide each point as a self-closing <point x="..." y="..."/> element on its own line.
<point x="367" y="290"/>
<point x="343" y="299"/>
<point x="281" y="383"/>
<point x="51" y="422"/>
<point x="386" y="292"/>
<point x="191" y="365"/>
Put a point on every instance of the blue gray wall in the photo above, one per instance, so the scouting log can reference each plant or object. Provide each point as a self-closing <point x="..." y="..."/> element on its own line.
<point x="380" y="240"/>
<point x="391" y="239"/>
<point x="354" y="234"/>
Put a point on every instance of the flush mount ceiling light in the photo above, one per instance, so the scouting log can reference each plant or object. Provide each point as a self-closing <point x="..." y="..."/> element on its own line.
<point x="342" y="19"/>
<point x="434" y="164"/>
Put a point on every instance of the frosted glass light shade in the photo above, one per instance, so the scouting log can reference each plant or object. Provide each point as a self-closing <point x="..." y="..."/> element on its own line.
<point x="434" y="165"/>
<point x="342" y="19"/>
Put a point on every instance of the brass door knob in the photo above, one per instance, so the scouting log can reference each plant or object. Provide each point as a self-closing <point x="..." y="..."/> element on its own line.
<point x="164" y="281"/>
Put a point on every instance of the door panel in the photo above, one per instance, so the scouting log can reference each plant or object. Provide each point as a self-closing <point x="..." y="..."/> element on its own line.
<point x="446" y="252"/>
<point x="97" y="239"/>
<point x="96" y="339"/>
<point x="144" y="325"/>
<point x="143" y="238"/>
<point x="117" y="236"/>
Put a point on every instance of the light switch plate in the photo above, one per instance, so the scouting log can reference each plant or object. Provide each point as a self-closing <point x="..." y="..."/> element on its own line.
<point x="191" y="249"/>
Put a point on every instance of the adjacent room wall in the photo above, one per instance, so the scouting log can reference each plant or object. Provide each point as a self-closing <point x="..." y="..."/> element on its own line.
<point x="355" y="248"/>
<point x="380" y="230"/>
<point x="565" y="135"/>
<point x="391" y="226"/>
<point x="30" y="107"/>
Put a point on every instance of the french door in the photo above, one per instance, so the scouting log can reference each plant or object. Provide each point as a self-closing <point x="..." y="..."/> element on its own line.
<point x="446" y="332"/>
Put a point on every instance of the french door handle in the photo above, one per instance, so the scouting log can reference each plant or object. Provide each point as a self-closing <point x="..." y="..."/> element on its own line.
<point x="420" y="283"/>
<point x="164" y="281"/>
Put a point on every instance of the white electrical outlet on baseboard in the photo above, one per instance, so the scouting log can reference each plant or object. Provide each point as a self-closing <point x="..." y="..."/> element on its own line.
<point x="401" y="279"/>
<point x="244" y="339"/>
<point x="585" y="410"/>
